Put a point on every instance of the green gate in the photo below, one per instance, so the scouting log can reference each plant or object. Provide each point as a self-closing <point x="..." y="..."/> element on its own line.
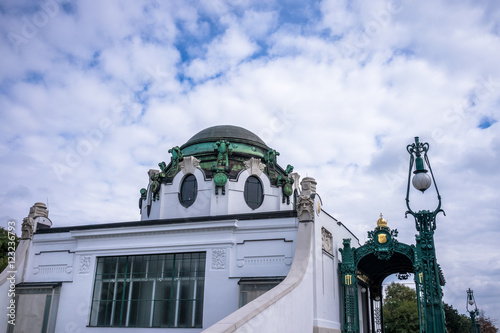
<point x="383" y="255"/>
<point x="369" y="265"/>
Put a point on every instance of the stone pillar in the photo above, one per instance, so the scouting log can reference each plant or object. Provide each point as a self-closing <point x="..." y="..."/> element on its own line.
<point x="305" y="204"/>
<point x="38" y="217"/>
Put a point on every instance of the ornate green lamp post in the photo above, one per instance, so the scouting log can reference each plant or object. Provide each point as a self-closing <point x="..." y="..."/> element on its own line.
<point x="472" y="309"/>
<point x="428" y="277"/>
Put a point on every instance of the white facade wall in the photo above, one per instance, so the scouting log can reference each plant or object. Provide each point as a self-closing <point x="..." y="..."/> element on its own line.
<point x="209" y="204"/>
<point x="328" y="297"/>
<point x="238" y="242"/>
<point x="235" y="249"/>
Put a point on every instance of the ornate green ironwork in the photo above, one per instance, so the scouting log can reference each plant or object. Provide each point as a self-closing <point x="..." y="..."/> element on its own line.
<point x="223" y="150"/>
<point x="174" y="162"/>
<point x="348" y="273"/>
<point x="220" y="180"/>
<point x="271" y="162"/>
<point x="381" y="242"/>
<point x="143" y="197"/>
<point x="472" y="309"/>
<point x="425" y="223"/>
<point x="155" y="186"/>
<point x="285" y="182"/>
<point x="381" y="245"/>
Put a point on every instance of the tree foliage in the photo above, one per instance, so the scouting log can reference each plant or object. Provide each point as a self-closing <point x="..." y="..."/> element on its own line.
<point x="5" y="247"/>
<point x="400" y="309"/>
<point x="401" y="313"/>
<point x="487" y="324"/>
<point x="456" y="322"/>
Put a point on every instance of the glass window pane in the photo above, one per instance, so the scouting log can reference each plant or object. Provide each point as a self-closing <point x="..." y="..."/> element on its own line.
<point x="250" y="290"/>
<point x="149" y="291"/>
<point x="254" y="194"/>
<point x="189" y="189"/>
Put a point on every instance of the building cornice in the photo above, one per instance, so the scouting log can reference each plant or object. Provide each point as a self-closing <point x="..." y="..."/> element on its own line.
<point x="162" y="222"/>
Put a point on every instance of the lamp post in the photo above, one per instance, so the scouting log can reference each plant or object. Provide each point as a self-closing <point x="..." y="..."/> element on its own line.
<point x="428" y="277"/>
<point x="472" y="309"/>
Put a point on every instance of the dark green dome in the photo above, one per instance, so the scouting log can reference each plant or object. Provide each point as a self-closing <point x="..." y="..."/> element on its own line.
<point x="229" y="132"/>
<point x="222" y="153"/>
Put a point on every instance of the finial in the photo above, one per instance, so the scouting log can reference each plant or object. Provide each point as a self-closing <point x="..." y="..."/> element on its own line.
<point x="381" y="222"/>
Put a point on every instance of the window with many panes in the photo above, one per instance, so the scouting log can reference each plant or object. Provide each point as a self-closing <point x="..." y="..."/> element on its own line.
<point x="158" y="290"/>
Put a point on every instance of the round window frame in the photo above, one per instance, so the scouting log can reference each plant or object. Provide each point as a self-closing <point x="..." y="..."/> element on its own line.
<point x="245" y="192"/>
<point x="182" y="201"/>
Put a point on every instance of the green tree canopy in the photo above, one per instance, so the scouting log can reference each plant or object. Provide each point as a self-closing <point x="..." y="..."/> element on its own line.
<point x="5" y="247"/>
<point x="401" y="313"/>
<point x="400" y="309"/>
<point x="456" y="322"/>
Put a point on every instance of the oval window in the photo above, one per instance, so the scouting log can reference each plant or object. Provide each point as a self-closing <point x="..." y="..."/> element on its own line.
<point x="254" y="194"/>
<point x="189" y="189"/>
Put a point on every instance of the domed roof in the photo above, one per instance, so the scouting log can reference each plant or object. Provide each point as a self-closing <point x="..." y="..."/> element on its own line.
<point x="230" y="132"/>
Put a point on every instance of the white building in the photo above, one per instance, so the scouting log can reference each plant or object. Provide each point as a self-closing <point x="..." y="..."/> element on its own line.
<point x="221" y="224"/>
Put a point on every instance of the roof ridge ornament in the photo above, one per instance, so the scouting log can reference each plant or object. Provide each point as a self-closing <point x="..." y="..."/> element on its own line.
<point x="254" y="166"/>
<point x="177" y="156"/>
<point x="223" y="150"/>
<point x="381" y="222"/>
<point x="189" y="164"/>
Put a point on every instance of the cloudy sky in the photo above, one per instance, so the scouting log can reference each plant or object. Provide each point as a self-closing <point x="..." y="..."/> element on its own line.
<point x="94" y="93"/>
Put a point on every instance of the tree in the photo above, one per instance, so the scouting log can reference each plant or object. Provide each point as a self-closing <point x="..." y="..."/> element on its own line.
<point x="486" y="323"/>
<point x="456" y="322"/>
<point x="401" y="314"/>
<point x="400" y="309"/>
<point x="6" y="241"/>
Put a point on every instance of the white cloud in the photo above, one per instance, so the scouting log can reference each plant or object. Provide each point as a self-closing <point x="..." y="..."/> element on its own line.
<point x="114" y="86"/>
<point x="222" y="54"/>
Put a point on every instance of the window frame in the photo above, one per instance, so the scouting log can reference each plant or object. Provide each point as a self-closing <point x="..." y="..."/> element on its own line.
<point x="253" y="287"/>
<point x="145" y="291"/>
<point x="189" y="178"/>
<point x="48" y="312"/>
<point x="252" y="203"/>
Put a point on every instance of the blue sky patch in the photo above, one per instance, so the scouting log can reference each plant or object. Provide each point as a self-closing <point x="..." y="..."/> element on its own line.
<point x="69" y="8"/>
<point x="299" y="12"/>
<point x="95" y="60"/>
<point x="486" y="122"/>
<point x="34" y="77"/>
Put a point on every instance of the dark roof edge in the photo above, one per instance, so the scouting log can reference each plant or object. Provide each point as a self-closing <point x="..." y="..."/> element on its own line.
<point x="340" y="223"/>
<point x="242" y="217"/>
<point x="38" y="284"/>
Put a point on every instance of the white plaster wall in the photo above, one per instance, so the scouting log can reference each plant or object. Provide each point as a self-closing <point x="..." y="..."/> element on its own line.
<point x="291" y="313"/>
<point x="218" y="239"/>
<point x="326" y="283"/>
<point x="286" y="308"/>
<point x="209" y="204"/>
<point x="170" y="205"/>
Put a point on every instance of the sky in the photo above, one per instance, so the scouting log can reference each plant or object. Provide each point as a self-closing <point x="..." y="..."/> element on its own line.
<point x="94" y="93"/>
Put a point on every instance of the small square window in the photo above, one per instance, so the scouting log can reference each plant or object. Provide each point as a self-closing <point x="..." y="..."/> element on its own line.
<point x="251" y="288"/>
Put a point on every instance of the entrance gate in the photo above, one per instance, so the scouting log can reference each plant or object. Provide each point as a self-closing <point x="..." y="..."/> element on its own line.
<point x="368" y="266"/>
<point x="383" y="255"/>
